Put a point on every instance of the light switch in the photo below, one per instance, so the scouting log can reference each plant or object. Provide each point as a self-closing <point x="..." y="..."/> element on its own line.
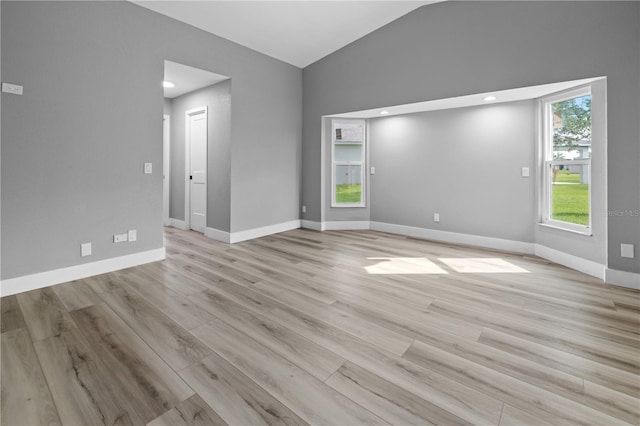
<point x="148" y="168"/>
<point x="525" y="172"/>
<point x="373" y="170"/>
<point x="626" y="250"/>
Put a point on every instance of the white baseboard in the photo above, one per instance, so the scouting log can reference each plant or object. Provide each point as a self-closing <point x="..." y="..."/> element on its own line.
<point x="177" y="223"/>
<point x="622" y="278"/>
<point x="216" y="234"/>
<point x="71" y="273"/>
<point x="342" y="225"/>
<point x="610" y="276"/>
<point x="583" y="265"/>
<point x="250" y="234"/>
<point x="455" y="238"/>
<point x="347" y="225"/>
<point x="588" y="267"/>
<point x="310" y="224"/>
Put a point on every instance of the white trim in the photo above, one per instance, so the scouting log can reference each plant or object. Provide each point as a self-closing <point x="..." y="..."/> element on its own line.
<point x="216" y="234"/>
<point x="77" y="272"/>
<point x="551" y="225"/>
<point x="455" y="238"/>
<point x="588" y="267"/>
<point x="565" y="95"/>
<point x="540" y="147"/>
<point x="340" y="225"/>
<point x="187" y="161"/>
<point x="250" y="234"/>
<point x="310" y="224"/>
<point x="323" y="166"/>
<point x="346" y="225"/>
<point x="177" y="223"/>
<point x="622" y="278"/>
<point x="166" y="167"/>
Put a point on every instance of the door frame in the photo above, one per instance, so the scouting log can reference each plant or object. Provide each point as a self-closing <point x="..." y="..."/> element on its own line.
<point x="187" y="162"/>
<point x="166" y="167"/>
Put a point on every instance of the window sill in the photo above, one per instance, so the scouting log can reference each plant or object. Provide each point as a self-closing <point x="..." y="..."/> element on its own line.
<point x="350" y="206"/>
<point x="587" y="232"/>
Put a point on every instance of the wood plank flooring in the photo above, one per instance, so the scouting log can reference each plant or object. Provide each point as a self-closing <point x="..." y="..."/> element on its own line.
<point x="332" y="328"/>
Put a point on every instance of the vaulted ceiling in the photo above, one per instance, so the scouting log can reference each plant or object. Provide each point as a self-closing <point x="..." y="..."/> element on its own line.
<point x="298" y="32"/>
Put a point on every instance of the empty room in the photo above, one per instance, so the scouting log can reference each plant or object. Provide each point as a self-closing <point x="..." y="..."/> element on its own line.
<point x="320" y="212"/>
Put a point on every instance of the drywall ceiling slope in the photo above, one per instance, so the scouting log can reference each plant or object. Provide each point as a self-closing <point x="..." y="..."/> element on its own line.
<point x="297" y="32"/>
<point x="509" y="95"/>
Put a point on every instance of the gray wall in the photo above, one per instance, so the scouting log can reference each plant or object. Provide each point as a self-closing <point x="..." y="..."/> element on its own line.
<point x="462" y="163"/>
<point x="458" y="48"/>
<point x="218" y="100"/>
<point x="0" y="144"/>
<point x="168" y="106"/>
<point x="74" y="145"/>
<point x="266" y="150"/>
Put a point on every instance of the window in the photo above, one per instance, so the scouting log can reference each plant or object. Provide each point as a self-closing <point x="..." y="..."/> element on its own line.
<point x="566" y="151"/>
<point x="347" y="163"/>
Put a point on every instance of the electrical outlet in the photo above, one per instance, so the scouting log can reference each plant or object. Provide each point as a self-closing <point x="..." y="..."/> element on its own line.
<point x="85" y="249"/>
<point x="436" y="217"/>
<point x="120" y="238"/>
<point x="525" y="172"/>
<point x="304" y="209"/>
<point x="133" y="235"/>
<point x="14" y="89"/>
<point x="626" y="250"/>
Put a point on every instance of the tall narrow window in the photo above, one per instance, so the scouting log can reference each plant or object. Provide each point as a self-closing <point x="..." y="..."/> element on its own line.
<point x="348" y="149"/>
<point x="567" y="160"/>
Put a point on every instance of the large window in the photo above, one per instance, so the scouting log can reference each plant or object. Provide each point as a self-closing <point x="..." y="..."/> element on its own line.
<point x="347" y="176"/>
<point x="567" y="160"/>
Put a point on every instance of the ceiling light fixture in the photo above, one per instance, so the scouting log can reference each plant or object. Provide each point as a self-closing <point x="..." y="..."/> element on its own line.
<point x="385" y="112"/>
<point x="490" y="98"/>
<point x="167" y="84"/>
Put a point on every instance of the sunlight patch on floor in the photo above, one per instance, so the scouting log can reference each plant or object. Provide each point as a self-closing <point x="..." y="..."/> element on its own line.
<point x="482" y="265"/>
<point x="404" y="265"/>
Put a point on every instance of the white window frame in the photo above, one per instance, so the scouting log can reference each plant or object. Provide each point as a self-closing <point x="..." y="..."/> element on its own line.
<point x="361" y="163"/>
<point x="548" y="162"/>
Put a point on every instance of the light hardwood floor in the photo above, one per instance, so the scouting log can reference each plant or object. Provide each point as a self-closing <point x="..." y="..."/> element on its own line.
<point x="333" y="328"/>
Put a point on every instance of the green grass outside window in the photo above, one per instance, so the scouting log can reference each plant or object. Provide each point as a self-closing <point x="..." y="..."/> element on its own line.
<point x="570" y="199"/>
<point x="348" y="193"/>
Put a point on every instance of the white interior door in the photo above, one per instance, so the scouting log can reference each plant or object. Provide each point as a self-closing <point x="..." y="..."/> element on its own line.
<point x="197" y="142"/>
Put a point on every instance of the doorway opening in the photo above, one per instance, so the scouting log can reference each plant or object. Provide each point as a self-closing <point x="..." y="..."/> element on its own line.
<point x="196" y="148"/>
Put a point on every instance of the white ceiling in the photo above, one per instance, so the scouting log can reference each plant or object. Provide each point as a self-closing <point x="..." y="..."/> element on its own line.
<point x="298" y="32"/>
<point x="510" y="95"/>
<point x="187" y="79"/>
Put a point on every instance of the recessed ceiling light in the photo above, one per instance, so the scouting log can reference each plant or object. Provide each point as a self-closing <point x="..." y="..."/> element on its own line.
<point x="385" y="112"/>
<point x="167" y="84"/>
<point x="490" y="98"/>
